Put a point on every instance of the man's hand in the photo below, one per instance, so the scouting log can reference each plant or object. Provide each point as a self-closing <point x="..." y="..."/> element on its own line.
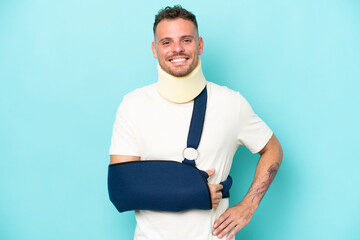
<point x="238" y="216"/>
<point x="215" y="191"/>
<point x="232" y="220"/>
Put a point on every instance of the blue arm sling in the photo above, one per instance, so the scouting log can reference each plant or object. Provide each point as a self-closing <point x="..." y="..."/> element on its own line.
<point x="160" y="185"/>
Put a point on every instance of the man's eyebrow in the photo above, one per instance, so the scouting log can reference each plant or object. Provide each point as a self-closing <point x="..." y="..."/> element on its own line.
<point x="166" y="38"/>
<point x="188" y="36"/>
<point x="185" y="36"/>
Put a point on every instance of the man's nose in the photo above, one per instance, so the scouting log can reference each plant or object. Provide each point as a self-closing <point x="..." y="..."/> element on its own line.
<point x="178" y="47"/>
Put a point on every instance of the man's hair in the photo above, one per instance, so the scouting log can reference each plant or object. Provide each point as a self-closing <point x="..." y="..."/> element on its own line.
<point x="174" y="12"/>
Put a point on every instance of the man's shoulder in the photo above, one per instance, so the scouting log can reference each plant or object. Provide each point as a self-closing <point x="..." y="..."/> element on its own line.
<point x="218" y="91"/>
<point x="141" y="93"/>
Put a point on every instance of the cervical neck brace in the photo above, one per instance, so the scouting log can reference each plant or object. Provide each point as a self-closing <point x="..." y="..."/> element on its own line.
<point x="181" y="89"/>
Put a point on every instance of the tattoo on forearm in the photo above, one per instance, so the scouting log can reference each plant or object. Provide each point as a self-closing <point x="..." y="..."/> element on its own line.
<point x="259" y="191"/>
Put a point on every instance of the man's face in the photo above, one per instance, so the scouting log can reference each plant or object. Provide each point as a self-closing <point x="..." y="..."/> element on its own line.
<point x="177" y="46"/>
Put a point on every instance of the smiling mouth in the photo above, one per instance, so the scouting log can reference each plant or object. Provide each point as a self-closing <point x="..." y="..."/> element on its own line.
<point x="178" y="60"/>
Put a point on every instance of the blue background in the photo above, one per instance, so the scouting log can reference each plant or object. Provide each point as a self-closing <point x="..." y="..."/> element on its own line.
<point x="65" y="65"/>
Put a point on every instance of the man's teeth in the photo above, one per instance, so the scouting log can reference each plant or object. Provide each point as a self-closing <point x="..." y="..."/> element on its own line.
<point x="178" y="60"/>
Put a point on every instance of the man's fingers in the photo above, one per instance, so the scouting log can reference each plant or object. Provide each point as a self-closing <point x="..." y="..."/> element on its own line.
<point x="229" y="226"/>
<point x="210" y="172"/>
<point x="233" y="232"/>
<point x="215" y="190"/>
<point x="216" y="194"/>
<point x="222" y="218"/>
<point x="231" y="221"/>
<point x="224" y="222"/>
<point x="215" y="203"/>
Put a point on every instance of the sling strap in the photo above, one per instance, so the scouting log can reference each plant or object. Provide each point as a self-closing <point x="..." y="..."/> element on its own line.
<point x="194" y="136"/>
<point x="196" y="126"/>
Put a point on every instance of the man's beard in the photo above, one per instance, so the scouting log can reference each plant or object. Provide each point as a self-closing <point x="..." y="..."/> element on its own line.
<point x="170" y="71"/>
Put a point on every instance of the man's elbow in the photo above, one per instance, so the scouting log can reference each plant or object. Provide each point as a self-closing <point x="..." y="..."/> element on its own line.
<point x="273" y="148"/>
<point x="280" y="153"/>
<point x="123" y="158"/>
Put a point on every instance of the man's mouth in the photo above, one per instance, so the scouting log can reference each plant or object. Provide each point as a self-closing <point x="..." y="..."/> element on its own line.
<point x="177" y="60"/>
<point x="180" y="59"/>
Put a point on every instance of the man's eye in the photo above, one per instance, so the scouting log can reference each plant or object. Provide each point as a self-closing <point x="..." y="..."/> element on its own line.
<point x="187" y="40"/>
<point x="166" y="43"/>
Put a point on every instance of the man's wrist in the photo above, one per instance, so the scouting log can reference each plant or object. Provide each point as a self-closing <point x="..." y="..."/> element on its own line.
<point x="249" y="203"/>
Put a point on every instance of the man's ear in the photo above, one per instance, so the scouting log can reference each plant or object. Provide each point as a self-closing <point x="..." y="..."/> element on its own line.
<point x="201" y="45"/>
<point x="153" y="48"/>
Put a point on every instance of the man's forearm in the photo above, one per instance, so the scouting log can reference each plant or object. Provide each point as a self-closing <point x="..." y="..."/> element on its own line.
<point x="266" y="170"/>
<point x="260" y="185"/>
<point x="238" y="216"/>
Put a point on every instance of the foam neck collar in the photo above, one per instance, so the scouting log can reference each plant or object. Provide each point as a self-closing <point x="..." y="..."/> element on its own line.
<point x="181" y="89"/>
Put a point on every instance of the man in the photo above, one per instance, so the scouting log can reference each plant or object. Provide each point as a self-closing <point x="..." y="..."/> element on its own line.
<point x="152" y="123"/>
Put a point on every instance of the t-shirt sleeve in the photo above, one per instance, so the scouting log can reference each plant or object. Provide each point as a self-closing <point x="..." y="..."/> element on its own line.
<point x="123" y="140"/>
<point x="253" y="131"/>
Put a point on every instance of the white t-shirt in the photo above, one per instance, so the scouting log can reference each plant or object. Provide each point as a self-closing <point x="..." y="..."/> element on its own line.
<point x="149" y="126"/>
